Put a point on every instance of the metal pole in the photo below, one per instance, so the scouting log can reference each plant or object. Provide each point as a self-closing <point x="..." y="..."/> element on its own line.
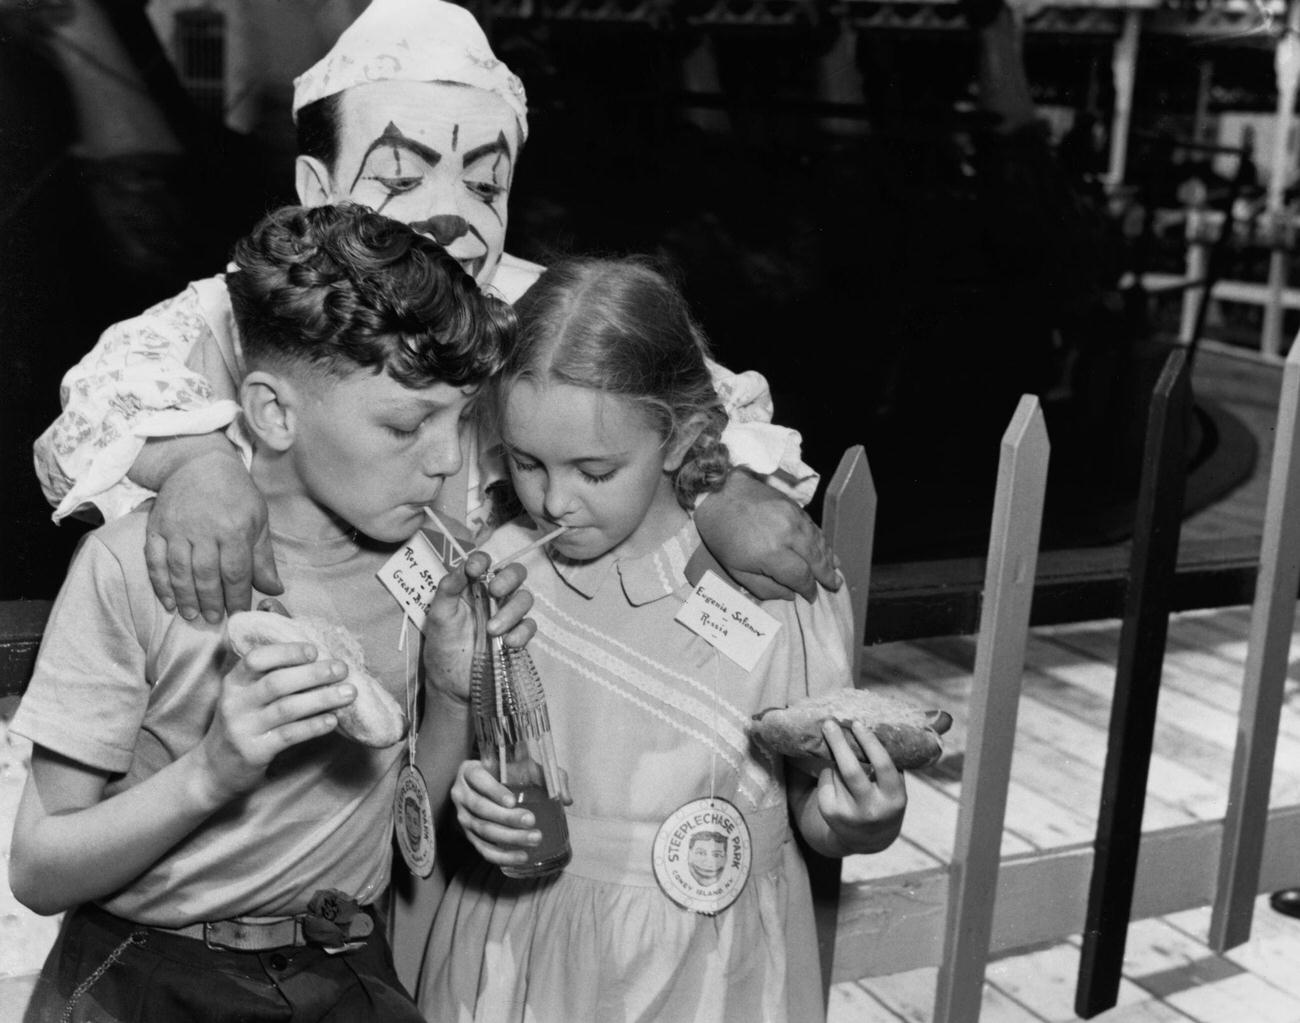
<point x="1286" y="65"/>
<point x="1124" y="68"/>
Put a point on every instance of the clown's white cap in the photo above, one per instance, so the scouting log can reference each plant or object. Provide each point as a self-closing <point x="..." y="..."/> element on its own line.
<point x="411" y="41"/>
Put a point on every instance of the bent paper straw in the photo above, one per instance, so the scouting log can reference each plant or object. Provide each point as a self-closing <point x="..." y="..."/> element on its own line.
<point x="451" y="538"/>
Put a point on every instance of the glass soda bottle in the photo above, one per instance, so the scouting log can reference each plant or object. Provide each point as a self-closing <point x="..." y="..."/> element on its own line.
<point x="513" y="730"/>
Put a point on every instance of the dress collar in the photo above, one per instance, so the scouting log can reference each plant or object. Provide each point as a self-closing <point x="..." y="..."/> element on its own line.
<point x="645" y="577"/>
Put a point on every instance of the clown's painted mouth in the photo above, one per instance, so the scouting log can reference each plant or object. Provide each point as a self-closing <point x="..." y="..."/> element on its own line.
<point x="473" y="266"/>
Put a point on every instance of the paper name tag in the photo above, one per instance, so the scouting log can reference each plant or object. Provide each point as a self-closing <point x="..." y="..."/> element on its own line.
<point x="412" y="575"/>
<point x="728" y="620"/>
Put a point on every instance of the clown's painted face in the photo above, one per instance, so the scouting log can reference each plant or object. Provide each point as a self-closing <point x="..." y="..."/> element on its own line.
<point x="434" y="155"/>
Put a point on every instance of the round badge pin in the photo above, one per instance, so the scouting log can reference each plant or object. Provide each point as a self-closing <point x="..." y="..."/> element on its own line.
<point x="702" y="855"/>
<point x="413" y="821"/>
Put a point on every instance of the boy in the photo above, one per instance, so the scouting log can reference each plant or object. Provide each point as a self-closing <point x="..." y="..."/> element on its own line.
<point x="218" y="846"/>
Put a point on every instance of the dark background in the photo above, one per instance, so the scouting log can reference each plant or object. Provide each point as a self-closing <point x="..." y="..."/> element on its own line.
<point x="900" y="280"/>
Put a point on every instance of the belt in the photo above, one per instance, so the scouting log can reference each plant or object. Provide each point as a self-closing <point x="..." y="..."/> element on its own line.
<point x="244" y="935"/>
<point x="252" y="935"/>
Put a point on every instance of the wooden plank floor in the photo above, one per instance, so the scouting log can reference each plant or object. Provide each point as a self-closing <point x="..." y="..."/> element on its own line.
<point x="1055" y="788"/>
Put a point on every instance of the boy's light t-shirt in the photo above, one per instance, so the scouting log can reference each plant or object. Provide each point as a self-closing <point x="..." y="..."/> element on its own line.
<point x="122" y="685"/>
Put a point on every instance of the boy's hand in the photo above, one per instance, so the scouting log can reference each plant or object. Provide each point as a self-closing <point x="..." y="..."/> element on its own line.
<point x="449" y="624"/>
<point x="208" y="543"/>
<point x="276" y="697"/>
<point x="863" y="814"/>
<point x="501" y="831"/>
<point x="765" y="541"/>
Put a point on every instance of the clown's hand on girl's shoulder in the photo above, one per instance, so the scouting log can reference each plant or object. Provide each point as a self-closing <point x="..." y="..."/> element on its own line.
<point x="449" y="623"/>
<point x="488" y="813"/>
<point x="852" y="809"/>
<point x="765" y="541"/>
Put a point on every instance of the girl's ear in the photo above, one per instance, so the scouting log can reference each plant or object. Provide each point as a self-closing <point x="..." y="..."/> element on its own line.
<point x="269" y="401"/>
<point x="686" y="435"/>
<point x="313" y="182"/>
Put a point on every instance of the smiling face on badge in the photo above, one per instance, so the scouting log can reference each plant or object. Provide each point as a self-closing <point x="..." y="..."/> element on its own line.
<point x="707" y="857"/>
<point x="437" y="156"/>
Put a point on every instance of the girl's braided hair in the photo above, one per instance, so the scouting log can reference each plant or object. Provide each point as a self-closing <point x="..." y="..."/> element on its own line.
<point x="623" y="327"/>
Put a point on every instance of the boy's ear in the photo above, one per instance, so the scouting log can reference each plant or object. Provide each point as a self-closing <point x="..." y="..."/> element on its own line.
<point x="681" y="441"/>
<point x="313" y="182"/>
<point x="269" y="401"/>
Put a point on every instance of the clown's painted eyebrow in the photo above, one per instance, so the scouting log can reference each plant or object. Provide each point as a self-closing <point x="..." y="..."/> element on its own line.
<point x="392" y="138"/>
<point x="497" y="146"/>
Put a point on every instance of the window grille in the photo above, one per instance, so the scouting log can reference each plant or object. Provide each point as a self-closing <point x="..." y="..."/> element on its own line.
<point x="200" y="48"/>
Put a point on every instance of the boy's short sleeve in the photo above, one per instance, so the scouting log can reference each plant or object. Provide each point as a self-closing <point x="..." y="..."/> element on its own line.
<point x="89" y="691"/>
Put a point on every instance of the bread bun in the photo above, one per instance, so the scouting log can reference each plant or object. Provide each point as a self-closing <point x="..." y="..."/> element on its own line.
<point x="910" y="734"/>
<point x="374" y="718"/>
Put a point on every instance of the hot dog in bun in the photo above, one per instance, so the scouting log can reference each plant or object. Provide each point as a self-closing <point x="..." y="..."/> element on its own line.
<point x="910" y="734"/>
<point x="374" y="718"/>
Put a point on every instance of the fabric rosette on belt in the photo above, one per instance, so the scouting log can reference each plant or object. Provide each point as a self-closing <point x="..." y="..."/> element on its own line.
<point x="335" y="921"/>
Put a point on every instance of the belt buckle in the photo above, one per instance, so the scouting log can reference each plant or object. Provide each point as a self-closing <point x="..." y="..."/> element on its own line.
<point x="236" y="936"/>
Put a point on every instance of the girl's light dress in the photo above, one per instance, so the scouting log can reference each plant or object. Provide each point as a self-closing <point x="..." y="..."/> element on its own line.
<point x="647" y="717"/>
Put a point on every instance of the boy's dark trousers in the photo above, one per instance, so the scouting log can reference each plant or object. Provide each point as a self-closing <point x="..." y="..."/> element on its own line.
<point x="109" y="970"/>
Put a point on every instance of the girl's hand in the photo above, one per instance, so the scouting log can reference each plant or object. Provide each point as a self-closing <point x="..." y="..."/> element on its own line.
<point x="449" y="624"/>
<point x="863" y="814"/>
<point x="276" y="697"/>
<point x="486" y="810"/>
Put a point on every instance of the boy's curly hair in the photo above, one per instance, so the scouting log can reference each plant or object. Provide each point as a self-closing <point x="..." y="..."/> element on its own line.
<point x="623" y="327"/>
<point x="341" y="287"/>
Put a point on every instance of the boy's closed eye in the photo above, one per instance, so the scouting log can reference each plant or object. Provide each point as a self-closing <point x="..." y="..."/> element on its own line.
<point x="407" y="424"/>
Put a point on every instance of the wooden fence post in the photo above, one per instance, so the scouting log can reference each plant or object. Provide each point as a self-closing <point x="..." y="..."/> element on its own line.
<point x="849" y="525"/>
<point x="1272" y="621"/>
<point x="995" y="695"/>
<point x="1137" y="688"/>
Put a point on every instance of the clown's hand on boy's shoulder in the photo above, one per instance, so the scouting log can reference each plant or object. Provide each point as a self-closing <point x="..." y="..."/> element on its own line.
<point x="208" y="542"/>
<point x="765" y="541"/>
<point x="852" y="809"/>
<point x="488" y="813"/>
<point x="449" y="622"/>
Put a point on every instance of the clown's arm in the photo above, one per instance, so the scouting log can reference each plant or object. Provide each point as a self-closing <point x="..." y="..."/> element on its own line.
<point x="149" y="413"/>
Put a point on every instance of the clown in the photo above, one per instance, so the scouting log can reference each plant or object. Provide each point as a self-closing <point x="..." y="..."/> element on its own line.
<point x="411" y="114"/>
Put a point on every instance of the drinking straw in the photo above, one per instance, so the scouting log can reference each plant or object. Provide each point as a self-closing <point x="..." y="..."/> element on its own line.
<point x="446" y="532"/>
<point x="530" y="548"/>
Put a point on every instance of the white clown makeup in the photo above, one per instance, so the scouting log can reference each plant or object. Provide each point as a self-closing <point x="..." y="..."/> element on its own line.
<point x="437" y="156"/>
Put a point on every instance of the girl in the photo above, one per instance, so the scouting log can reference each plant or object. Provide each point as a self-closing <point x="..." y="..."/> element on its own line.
<point x="611" y="428"/>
